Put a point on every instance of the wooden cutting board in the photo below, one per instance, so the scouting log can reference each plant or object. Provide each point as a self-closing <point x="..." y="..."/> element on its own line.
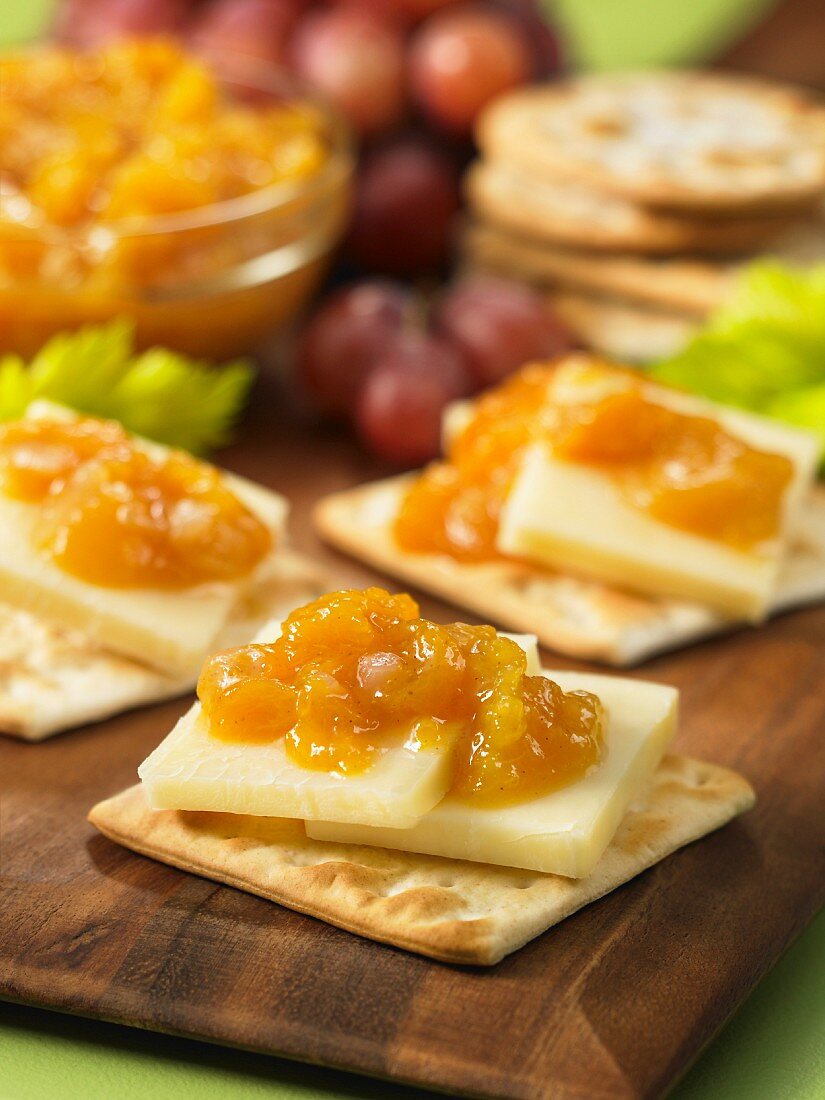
<point x="615" y="1002"/>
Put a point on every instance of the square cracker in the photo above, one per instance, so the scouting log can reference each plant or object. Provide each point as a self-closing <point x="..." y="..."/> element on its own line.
<point x="572" y="615"/>
<point x="450" y="910"/>
<point x="53" y="679"/>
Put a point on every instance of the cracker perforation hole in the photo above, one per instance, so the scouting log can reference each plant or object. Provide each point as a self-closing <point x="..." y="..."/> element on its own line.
<point x="702" y="776"/>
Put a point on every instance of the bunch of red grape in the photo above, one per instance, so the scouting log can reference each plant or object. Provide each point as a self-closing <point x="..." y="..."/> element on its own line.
<point x="378" y="356"/>
<point x="389" y="66"/>
<point x="379" y="60"/>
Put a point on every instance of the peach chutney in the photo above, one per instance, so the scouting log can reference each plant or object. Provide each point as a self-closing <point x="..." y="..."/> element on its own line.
<point x="116" y="516"/>
<point x="356" y="673"/>
<point x="137" y="181"/>
<point x="137" y="128"/>
<point x="686" y="471"/>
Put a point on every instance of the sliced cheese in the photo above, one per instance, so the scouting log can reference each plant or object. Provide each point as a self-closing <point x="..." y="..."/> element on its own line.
<point x="53" y="678"/>
<point x="170" y="630"/>
<point x="566" y="832"/>
<point x="190" y="770"/>
<point x="572" y="516"/>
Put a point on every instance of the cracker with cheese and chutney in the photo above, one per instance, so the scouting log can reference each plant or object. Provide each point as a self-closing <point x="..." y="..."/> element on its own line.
<point x="426" y="785"/>
<point x="122" y="564"/>
<point x="612" y="517"/>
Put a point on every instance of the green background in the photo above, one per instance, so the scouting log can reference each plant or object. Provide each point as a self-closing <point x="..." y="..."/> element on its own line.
<point x="602" y="33"/>
<point x="773" y="1048"/>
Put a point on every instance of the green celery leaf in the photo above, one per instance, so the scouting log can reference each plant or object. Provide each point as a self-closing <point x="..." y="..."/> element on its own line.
<point x="15" y="387"/>
<point x="160" y="394"/>
<point x="185" y="403"/>
<point x="774" y="294"/>
<point x="764" y="349"/>
<point x="805" y="408"/>
<point x="743" y="368"/>
<point x="80" y="368"/>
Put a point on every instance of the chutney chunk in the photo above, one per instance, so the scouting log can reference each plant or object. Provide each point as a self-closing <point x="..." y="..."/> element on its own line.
<point x="453" y="507"/>
<point x="117" y="517"/>
<point x="356" y="673"/>
<point x="138" y="129"/>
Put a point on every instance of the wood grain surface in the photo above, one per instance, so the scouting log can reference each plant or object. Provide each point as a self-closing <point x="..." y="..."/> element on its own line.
<point x="785" y="45"/>
<point x="615" y="1002"/>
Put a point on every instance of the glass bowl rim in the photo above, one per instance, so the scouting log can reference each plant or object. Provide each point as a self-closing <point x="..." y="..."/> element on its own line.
<point x="258" y="76"/>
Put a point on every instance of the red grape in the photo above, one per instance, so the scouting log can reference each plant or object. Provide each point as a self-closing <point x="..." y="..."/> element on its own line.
<point x="252" y="28"/>
<point x="343" y="339"/>
<point x="406" y="200"/>
<point x="545" y="43"/>
<point x="89" y="22"/>
<point x="399" y="411"/>
<point x="462" y="58"/>
<point x="357" y="61"/>
<point x="498" y="326"/>
<point x="419" y="9"/>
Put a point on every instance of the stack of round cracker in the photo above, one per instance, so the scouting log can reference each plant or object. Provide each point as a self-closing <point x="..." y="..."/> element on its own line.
<point x="637" y="197"/>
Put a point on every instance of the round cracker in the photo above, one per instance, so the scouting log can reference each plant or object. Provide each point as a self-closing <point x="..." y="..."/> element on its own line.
<point x="623" y="331"/>
<point x="571" y="214"/>
<point x="687" y="286"/>
<point x="685" y="140"/>
<point x="683" y="284"/>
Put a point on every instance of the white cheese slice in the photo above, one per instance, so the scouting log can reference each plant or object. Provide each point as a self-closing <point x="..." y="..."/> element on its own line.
<point x="573" y="517"/>
<point x="170" y="630"/>
<point x="190" y="770"/>
<point x="566" y="832"/>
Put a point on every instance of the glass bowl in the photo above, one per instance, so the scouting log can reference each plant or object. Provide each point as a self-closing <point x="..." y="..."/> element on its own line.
<point x="213" y="281"/>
